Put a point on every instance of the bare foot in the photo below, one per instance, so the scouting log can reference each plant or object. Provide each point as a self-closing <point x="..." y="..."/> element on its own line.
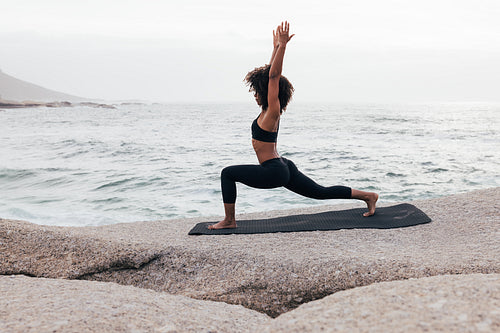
<point x="224" y="224"/>
<point x="371" y="202"/>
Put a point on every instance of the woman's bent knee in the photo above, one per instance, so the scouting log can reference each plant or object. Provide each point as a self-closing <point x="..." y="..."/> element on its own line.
<point x="226" y="172"/>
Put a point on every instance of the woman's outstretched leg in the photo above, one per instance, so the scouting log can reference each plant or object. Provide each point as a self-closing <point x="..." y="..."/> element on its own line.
<point x="369" y="197"/>
<point x="303" y="185"/>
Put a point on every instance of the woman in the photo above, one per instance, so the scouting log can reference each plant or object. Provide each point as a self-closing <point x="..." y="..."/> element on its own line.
<point x="272" y="93"/>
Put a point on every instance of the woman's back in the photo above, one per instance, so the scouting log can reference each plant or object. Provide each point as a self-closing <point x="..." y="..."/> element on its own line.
<point x="264" y="137"/>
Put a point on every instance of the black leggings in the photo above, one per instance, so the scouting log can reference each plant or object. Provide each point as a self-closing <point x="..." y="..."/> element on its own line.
<point x="274" y="173"/>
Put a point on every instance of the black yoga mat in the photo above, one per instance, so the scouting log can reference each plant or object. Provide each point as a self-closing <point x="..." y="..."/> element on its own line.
<point x="402" y="215"/>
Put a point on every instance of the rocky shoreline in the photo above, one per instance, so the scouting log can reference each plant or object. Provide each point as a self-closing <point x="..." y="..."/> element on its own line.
<point x="56" y="104"/>
<point x="285" y="275"/>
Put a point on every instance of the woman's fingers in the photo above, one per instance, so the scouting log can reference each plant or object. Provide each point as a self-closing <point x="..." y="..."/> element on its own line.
<point x="283" y="29"/>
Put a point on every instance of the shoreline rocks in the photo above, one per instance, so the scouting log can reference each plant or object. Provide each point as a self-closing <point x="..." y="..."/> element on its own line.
<point x="55" y="305"/>
<point x="446" y="303"/>
<point x="270" y="273"/>
<point x="56" y="104"/>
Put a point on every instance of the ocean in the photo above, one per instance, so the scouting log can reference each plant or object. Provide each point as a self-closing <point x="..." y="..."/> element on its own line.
<point x="83" y="166"/>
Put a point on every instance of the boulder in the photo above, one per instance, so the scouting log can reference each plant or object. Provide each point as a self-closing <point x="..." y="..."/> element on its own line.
<point x="447" y="303"/>
<point x="50" y="305"/>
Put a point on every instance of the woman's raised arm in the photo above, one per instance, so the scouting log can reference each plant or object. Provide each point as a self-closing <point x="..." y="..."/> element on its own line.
<point x="275" y="47"/>
<point x="282" y="37"/>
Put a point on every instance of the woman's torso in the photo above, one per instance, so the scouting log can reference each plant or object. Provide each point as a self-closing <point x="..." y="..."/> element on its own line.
<point x="268" y="128"/>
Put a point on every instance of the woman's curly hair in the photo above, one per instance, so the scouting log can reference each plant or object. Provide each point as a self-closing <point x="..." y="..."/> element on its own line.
<point x="258" y="80"/>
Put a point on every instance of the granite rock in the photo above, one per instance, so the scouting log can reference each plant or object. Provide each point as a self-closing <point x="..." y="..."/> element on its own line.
<point x="55" y="305"/>
<point x="448" y="303"/>
<point x="270" y="273"/>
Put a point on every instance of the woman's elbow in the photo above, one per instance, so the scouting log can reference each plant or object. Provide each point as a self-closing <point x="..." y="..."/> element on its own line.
<point x="274" y="75"/>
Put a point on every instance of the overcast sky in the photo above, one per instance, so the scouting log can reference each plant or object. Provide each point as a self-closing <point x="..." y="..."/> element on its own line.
<point x="199" y="51"/>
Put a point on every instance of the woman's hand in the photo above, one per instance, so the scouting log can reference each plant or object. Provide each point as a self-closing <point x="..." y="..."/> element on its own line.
<point x="282" y="34"/>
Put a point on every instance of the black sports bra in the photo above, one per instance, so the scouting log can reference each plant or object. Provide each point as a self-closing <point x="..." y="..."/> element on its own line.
<point x="263" y="135"/>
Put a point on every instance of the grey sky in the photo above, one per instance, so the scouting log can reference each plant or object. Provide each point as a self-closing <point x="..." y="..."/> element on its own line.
<point x="197" y="51"/>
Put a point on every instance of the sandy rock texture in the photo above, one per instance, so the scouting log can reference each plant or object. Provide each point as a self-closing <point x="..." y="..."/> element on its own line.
<point x="448" y="303"/>
<point x="270" y="273"/>
<point x="50" y="305"/>
<point x="43" y="251"/>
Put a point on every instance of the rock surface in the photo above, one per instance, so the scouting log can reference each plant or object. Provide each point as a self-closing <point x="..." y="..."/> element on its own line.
<point x="448" y="303"/>
<point x="48" y="305"/>
<point x="271" y="273"/>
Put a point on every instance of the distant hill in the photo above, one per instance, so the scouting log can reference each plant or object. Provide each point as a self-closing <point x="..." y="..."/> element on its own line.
<point x="18" y="90"/>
